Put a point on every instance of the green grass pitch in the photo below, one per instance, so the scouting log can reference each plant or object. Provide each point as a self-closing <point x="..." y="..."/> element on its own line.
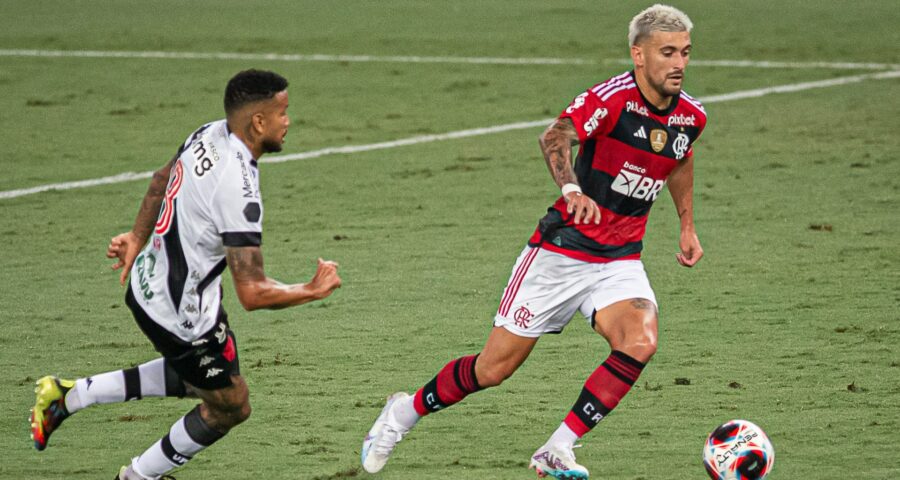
<point x="791" y="320"/>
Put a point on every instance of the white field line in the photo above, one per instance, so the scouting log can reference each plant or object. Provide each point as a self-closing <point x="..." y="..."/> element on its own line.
<point x="286" y="57"/>
<point x="759" y="92"/>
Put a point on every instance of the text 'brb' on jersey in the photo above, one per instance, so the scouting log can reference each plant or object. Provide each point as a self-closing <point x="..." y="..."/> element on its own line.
<point x="628" y="148"/>
<point x="212" y="202"/>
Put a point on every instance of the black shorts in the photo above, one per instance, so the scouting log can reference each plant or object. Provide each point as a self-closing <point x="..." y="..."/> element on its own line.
<point x="207" y="363"/>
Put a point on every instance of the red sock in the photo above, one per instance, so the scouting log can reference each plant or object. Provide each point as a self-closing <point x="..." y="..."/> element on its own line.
<point x="453" y="383"/>
<point x="602" y="391"/>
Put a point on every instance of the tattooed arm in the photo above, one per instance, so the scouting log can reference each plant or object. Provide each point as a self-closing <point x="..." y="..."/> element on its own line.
<point x="681" y="186"/>
<point x="126" y="246"/>
<point x="556" y="144"/>
<point x="255" y="290"/>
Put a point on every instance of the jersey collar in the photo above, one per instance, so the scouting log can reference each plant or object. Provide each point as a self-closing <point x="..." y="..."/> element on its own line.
<point x="662" y="113"/>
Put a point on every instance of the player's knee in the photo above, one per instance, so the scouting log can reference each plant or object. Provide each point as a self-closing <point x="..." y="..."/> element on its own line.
<point x="641" y="347"/>
<point x="242" y="413"/>
<point x="494" y="375"/>
<point x="229" y="415"/>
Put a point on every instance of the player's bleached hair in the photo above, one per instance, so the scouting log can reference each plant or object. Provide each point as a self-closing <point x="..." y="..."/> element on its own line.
<point x="252" y="86"/>
<point x="658" y="18"/>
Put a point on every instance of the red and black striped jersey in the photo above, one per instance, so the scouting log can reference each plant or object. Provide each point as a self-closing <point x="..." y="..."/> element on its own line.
<point x="628" y="148"/>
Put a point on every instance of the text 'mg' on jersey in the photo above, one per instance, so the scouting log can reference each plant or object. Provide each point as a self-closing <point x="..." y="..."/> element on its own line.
<point x="212" y="201"/>
<point x="628" y="148"/>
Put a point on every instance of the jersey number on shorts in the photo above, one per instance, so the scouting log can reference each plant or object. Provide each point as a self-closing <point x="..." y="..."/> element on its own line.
<point x="168" y="207"/>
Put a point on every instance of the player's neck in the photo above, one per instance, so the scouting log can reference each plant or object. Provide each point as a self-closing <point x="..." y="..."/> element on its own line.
<point x="650" y="94"/>
<point x="245" y="134"/>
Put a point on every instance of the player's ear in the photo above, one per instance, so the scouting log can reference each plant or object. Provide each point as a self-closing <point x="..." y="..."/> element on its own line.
<point x="258" y="122"/>
<point x="637" y="56"/>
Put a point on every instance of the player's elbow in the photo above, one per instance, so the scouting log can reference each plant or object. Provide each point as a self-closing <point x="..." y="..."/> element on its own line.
<point x="249" y="296"/>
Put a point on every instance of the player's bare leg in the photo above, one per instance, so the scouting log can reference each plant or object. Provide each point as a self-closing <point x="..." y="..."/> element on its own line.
<point x="221" y="410"/>
<point x="630" y="327"/>
<point x="501" y="356"/>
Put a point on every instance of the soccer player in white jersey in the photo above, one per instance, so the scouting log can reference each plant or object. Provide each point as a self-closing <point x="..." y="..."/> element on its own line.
<point x="202" y="212"/>
<point x="635" y="132"/>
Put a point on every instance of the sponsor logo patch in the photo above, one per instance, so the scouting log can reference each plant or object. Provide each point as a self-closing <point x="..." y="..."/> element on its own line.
<point x="577" y="103"/>
<point x="637" y="186"/>
<point x="632" y="106"/>
<point x="592" y="123"/>
<point x="682" y="120"/>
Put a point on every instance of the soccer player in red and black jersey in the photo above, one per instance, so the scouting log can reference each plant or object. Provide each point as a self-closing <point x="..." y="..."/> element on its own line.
<point x="636" y="133"/>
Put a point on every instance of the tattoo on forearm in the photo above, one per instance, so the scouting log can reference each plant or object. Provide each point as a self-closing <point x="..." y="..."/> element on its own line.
<point x="245" y="263"/>
<point x="556" y="144"/>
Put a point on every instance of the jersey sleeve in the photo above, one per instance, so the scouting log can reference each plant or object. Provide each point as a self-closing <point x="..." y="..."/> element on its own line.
<point x="701" y="125"/>
<point x="590" y="116"/>
<point x="237" y="209"/>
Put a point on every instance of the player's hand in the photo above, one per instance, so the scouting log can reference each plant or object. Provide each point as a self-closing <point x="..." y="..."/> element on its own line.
<point x="326" y="279"/>
<point x="691" y="251"/>
<point x="125" y="247"/>
<point x="583" y="207"/>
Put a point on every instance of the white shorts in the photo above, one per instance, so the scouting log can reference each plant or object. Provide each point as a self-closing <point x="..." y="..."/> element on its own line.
<point x="546" y="289"/>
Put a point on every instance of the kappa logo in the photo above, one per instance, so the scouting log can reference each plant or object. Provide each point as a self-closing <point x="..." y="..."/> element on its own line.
<point x="592" y="123"/>
<point x="221" y="335"/>
<point x="212" y="372"/>
<point x="206" y="360"/>
<point x="641" y="133"/>
<point x="637" y="186"/>
<point x="680" y="145"/>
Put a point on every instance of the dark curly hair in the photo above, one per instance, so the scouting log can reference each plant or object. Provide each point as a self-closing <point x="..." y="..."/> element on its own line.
<point x="252" y="86"/>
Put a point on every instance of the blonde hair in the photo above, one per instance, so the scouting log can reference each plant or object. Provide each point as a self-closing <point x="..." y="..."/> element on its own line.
<point x="658" y="18"/>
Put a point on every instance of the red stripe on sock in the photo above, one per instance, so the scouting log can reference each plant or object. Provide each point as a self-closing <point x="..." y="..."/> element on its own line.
<point x="573" y="422"/>
<point x="467" y="373"/>
<point x="625" y="369"/>
<point x="608" y="388"/>
<point x="419" y="404"/>
<point x="447" y="388"/>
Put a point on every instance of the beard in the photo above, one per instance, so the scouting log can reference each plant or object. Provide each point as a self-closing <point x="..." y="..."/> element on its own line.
<point x="271" y="146"/>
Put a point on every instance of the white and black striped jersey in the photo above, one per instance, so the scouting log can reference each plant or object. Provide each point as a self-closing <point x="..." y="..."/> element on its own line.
<point x="212" y="201"/>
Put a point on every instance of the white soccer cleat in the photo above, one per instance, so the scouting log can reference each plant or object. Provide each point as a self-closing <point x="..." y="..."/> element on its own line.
<point x="383" y="436"/>
<point x="557" y="461"/>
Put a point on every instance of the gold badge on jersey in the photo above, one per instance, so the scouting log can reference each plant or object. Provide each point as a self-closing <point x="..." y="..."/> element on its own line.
<point x="658" y="139"/>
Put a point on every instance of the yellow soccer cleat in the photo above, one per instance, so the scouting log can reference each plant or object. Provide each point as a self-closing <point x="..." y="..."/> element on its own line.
<point x="49" y="408"/>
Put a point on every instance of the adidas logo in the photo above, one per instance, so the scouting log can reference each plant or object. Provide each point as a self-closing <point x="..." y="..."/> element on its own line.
<point x="641" y="133"/>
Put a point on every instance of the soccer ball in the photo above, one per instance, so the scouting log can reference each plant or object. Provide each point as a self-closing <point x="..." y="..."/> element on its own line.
<point x="738" y="450"/>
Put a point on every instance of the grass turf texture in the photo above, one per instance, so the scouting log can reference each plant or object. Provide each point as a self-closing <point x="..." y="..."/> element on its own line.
<point x="790" y="321"/>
